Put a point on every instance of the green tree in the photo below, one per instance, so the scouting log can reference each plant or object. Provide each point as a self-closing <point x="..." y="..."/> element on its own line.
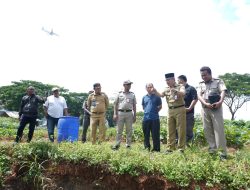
<point x="74" y="102"/>
<point x="238" y="86"/>
<point x="10" y="96"/>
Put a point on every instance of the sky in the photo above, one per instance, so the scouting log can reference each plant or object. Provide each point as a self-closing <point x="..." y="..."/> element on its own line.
<point x="109" y="41"/>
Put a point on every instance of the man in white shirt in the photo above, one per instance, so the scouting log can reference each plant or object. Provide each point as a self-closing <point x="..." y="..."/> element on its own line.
<point x="54" y="108"/>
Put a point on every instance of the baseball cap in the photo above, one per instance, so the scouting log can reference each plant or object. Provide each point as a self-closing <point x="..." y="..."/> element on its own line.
<point x="127" y="82"/>
<point x="54" y="89"/>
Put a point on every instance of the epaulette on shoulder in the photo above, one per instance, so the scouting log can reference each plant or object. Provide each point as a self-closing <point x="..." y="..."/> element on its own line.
<point x="201" y="82"/>
<point x="217" y="80"/>
<point x="131" y="92"/>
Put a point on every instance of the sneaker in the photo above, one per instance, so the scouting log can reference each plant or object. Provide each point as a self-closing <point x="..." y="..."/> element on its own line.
<point x="115" y="147"/>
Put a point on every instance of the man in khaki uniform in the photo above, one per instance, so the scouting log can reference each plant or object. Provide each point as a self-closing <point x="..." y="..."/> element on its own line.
<point x="124" y="114"/>
<point x="174" y="94"/>
<point x="98" y="103"/>
<point x="211" y="95"/>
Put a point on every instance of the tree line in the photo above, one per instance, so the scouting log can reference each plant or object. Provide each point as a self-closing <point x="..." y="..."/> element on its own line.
<point x="238" y="94"/>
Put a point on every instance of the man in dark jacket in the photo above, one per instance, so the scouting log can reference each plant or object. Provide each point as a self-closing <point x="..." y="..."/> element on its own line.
<point x="28" y="113"/>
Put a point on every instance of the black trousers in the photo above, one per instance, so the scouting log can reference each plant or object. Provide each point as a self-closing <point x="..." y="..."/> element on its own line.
<point x="23" y="122"/>
<point x="86" y="123"/>
<point x="152" y="126"/>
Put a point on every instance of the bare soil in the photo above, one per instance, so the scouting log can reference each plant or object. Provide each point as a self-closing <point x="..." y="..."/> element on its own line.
<point x="81" y="176"/>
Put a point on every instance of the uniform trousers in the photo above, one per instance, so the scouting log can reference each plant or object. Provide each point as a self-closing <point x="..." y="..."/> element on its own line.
<point x="176" y="122"/>
<point x="124" y="118"/>
<point x="214" y="128"/>
<point x="98" y="120"/>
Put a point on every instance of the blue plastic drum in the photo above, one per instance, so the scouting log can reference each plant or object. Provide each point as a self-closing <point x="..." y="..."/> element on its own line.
<point x="68" y="129"/>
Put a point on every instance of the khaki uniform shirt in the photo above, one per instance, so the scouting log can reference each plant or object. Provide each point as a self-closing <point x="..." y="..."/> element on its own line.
<point x="171" y="98"/>
<point x="125" y="101"/>
<point x="98" y="103"/>
<point x="214" y="86"/>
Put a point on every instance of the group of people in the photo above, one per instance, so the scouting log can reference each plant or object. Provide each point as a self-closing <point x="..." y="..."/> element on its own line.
<point x="181" y="99"/>
<point x="55" y="106"/>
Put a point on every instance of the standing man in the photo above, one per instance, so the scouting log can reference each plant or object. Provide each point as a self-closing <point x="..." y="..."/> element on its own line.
<point x="190" y="99"/>
<point x="54" y="108"/>
<point x="86" y="118"/>
<point x="98" y="103"/>
<point x="176" y="113"/>
<point x="151" y="104"/>
<point x="124" y="114"/>
<point x="28" y="113"/>
<point x="211" y="95"/>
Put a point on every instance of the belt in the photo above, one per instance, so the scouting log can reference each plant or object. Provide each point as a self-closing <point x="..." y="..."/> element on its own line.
<point x="97" y="112"/>
<point x="125" y="110"/>
<point x="173" y="107"/>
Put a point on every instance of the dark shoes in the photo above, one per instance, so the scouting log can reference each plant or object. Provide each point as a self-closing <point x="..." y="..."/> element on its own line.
<point x="128" y="146"/>
<point x="155" y="150"/>
<point x="181" y="151"/>
<point x="168" y="152"/>
<point x="223" y="157"/>
<point x="115" y="147"/>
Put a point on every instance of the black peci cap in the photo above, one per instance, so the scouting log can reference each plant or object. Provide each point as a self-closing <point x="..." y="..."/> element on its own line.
<point x="96" y="84"/>
<point x="169" y="75"/>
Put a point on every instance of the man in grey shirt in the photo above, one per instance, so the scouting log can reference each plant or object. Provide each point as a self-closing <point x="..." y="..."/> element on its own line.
<point x="124" y="114"/>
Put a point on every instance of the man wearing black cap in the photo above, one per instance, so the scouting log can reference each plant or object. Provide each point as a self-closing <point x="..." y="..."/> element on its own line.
<point x="124" y="114"/>
<point x="98" y="103"/>
<point x="174" y="94"/>
<point x="28" y="113"/>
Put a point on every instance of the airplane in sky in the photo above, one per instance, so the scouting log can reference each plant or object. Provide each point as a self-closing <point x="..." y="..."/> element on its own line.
<point x="50" y="32"/>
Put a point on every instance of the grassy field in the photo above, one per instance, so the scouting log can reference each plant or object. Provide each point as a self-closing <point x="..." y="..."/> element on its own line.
<point x="194" y="166"/>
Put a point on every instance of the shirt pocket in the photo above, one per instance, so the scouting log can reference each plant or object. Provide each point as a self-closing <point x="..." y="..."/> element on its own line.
<point x="214" y="88"/>
<point x="121" y="98"/>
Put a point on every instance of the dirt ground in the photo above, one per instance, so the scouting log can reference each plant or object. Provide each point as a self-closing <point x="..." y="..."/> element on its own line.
<point x="81" y="176"/>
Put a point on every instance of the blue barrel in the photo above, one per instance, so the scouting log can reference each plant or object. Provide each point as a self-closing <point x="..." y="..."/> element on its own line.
<point x="68" y="128"/>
